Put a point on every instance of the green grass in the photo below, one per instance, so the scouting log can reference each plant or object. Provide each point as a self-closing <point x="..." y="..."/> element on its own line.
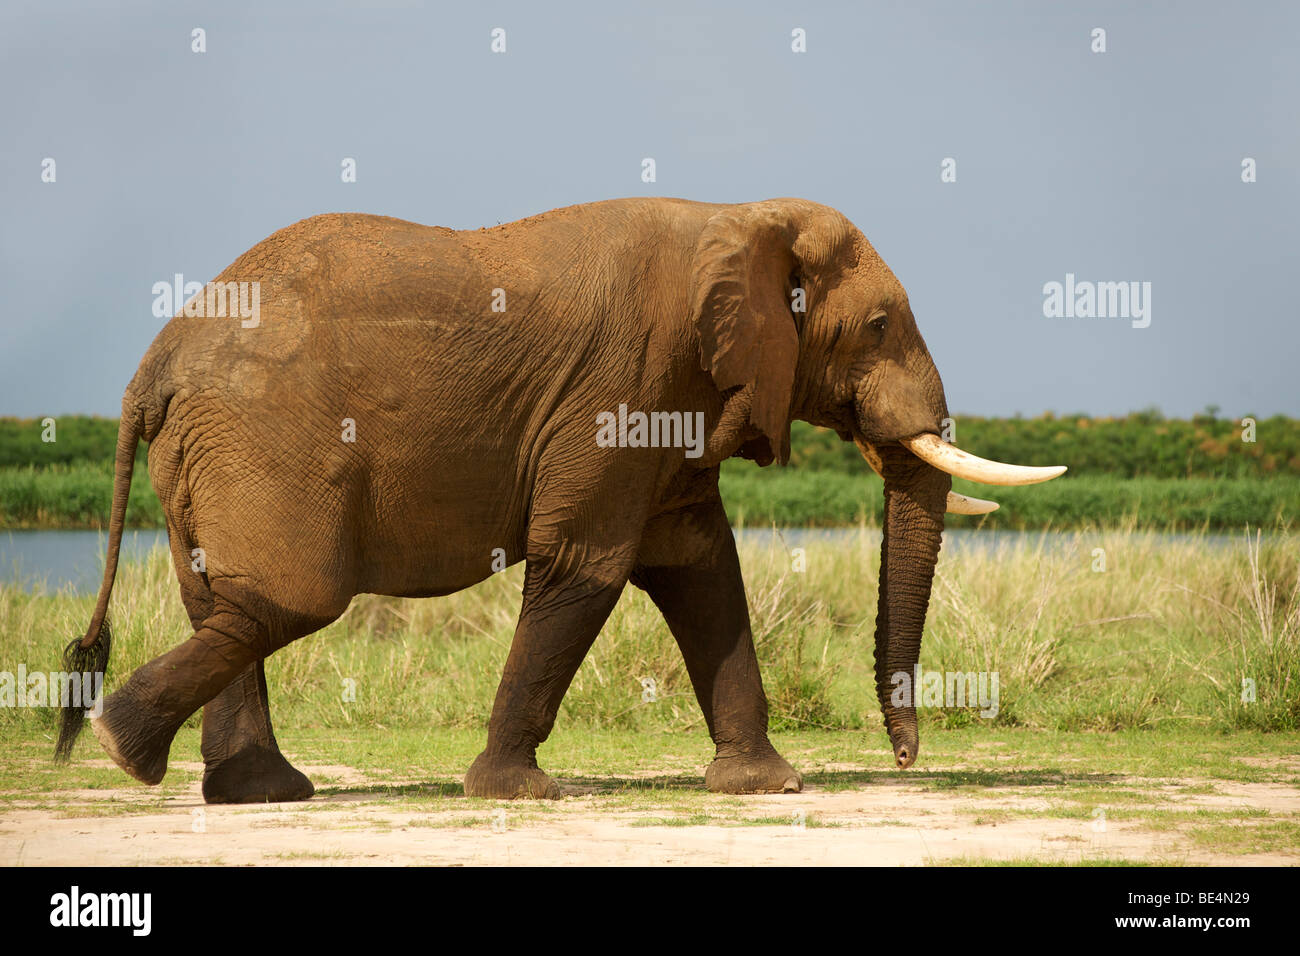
<point x="694" y="820"/>
<point x="800" y="497"/>
<point x="421" y="766"/>
<point x="1163" y="638"/>
<point x="400" y="777"/>
<point x="73" y="496"/>
<point x="79" y="496"/>
<point x="1140" y="444"/>
<point x="736" y="820"/>
<point x="77" y="439"/>
<point x="1098" y="861"/>
<point x="1272" y="837"/>
<point x="1120" y="700"/>
<point x="1139" y="470"/>
<point x="989" y="776"/>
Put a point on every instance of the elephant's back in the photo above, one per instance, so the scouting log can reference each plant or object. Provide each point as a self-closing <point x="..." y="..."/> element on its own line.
<point x="364" y="370"/>
<point x="332" y="292"/>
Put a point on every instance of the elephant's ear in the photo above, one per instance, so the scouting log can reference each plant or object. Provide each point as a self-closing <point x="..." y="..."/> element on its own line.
<point x="742" y="310"/>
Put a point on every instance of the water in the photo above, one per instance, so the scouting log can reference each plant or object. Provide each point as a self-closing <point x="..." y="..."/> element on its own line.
<point x="75" y="559"/>
<point x="60" y="559"/>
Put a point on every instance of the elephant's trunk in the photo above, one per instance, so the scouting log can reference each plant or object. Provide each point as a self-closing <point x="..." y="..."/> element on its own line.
<point x="915" y="498"/>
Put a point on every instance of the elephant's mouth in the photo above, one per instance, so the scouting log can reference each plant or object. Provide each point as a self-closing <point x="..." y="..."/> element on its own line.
<point x="937" y="453"/>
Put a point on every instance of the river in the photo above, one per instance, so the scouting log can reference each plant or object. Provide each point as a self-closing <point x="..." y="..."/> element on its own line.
<point x="75" y="559"/>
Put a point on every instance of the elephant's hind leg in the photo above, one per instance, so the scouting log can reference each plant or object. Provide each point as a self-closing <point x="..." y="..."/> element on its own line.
<point x="242" y="761"/>
<point x="141" y="717"/>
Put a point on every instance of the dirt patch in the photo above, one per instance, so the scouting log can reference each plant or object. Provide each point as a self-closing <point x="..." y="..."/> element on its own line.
<point x="1291" y="762"/>
<point x="359" y="820"/>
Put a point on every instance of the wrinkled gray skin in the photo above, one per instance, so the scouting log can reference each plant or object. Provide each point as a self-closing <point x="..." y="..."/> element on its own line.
<point x="476" y="429"/>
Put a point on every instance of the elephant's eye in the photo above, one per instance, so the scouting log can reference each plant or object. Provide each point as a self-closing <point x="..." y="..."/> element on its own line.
<point x="878" y="324"/>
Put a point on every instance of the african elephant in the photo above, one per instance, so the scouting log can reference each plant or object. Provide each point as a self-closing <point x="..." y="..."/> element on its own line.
<point x="475" y="370"/>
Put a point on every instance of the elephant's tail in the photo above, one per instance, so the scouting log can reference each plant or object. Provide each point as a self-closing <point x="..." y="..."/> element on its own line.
<point x="89" y="654"/>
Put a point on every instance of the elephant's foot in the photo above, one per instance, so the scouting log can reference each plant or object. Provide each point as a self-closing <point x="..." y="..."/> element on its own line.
<point x="765" y="771"/>
<point x="504" y="777"/>
<point x="256" y="774"/>
<point x="136" y="736"/>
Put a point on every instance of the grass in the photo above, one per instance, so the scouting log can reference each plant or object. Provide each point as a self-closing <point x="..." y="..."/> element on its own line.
<point x="1141" y="444"/>
<point x="1150" y="782"/>
<point x="1139" y="694"/>
<point x="1169" y="634"/>
<point x="796" y="498"/>
<point x="78" y="495"/>
<point x="1274" y="836"/>
<point x="1140" y="470"/>
<point x="75" y="495"/>
<point x="1099" y="861"/>
<point x="794" y="820"/>
<point x="1120" y="699"/>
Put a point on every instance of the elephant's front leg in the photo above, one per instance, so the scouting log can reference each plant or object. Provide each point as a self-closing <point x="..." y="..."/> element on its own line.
<point x="688" y="566"/>
<point x="242" y="761"/>
<point x="557" y="626"/>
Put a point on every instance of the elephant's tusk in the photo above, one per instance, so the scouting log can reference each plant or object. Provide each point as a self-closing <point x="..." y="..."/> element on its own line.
<point x="966" y="505"/>
<point x="957" y="504"/>
<point x="935" y="451"/>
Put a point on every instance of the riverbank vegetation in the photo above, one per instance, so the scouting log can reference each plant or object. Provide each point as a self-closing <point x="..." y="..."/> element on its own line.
<point x="1137" y="470"/>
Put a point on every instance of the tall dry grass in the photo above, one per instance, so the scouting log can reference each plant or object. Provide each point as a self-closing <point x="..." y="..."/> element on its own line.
<point x="1167" y="631"/>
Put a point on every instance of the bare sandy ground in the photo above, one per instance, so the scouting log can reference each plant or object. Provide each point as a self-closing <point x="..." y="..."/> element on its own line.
<point x="893" y="826"/>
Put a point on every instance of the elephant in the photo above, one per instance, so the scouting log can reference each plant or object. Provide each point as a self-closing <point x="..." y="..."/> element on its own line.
<point x="412" y="400"/>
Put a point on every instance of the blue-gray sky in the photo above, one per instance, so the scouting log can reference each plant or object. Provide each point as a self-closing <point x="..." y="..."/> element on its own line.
<point x="1117" y="166"/>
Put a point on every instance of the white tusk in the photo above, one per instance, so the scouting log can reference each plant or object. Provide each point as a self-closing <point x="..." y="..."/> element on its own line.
<point x="957" y="504"/>
<point x="935" y="451"/>
<point x="966" y="505"/>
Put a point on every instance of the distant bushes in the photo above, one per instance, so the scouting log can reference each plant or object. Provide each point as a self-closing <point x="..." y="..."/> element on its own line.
<point x="78" y="439"/>
<point x="1139" y="445"/>
<point x="828" y="498"/>
<point x="73" y="496"/>
<point x="1140" y="470"/>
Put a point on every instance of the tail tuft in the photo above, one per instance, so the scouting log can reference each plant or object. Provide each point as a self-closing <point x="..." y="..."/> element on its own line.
<point x="90" y="654"/>
<point x="79" y="659"/>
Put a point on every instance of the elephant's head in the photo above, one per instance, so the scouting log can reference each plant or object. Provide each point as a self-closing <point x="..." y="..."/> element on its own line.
<point x="851" y="360"/>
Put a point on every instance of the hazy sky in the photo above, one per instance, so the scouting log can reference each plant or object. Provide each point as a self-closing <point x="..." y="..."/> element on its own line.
<point x="1122" y="166"/>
